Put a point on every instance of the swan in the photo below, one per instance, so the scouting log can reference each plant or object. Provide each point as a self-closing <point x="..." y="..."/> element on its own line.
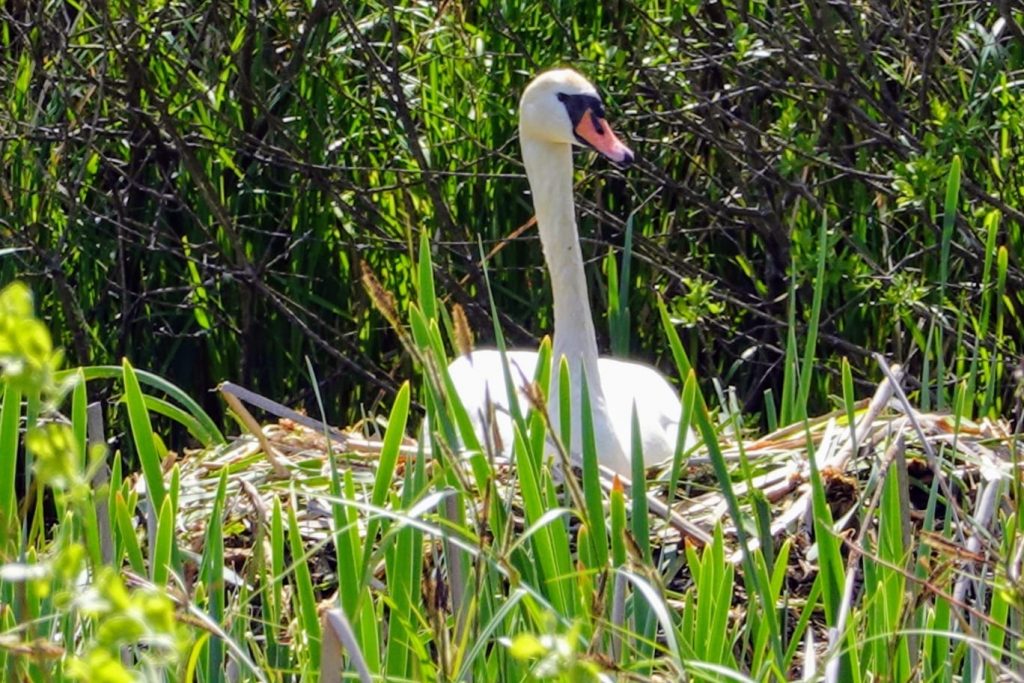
<point x="559" y="109"/>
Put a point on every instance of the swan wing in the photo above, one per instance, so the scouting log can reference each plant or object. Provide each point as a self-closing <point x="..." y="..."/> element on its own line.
<point x="658" y="407"/>
<point x="479" y="378"/>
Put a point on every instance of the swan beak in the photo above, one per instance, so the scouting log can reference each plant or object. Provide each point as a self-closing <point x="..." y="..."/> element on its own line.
<point x="596" y="132"/>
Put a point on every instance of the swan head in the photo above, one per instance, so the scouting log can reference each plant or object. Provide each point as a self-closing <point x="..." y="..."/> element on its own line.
<point x="561" y="106"/>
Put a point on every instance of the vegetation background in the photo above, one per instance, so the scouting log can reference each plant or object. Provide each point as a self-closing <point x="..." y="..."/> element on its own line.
<point x="193" y="184"/>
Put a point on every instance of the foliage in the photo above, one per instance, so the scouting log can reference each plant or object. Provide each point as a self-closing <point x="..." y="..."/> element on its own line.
<point x="435" y="580"/>
<point x="60" y="583"/>
<point x="193" y="183"/>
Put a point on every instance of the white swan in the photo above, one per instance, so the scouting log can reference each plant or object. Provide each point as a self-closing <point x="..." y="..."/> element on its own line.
<point x="558" y="109"/>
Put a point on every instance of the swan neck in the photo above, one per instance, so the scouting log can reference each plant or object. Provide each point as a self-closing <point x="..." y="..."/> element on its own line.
<point x="549" y="170"/>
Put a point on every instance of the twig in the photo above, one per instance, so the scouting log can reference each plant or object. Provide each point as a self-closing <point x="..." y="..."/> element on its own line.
<point x="275" y="460"/>
<point x="929" y="453"/>
<point x="867" y="422"/>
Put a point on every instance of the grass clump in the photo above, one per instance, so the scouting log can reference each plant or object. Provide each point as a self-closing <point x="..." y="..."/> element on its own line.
<point x="196" y="185"/>
<point x="372" y="556"/>
<point x="170" y="192"/>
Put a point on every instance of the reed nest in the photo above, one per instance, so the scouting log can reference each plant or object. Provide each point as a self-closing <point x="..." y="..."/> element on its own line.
<point x="967" y="465"/>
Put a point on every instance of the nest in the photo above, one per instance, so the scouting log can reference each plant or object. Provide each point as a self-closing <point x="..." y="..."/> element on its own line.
<point x="290" y="460"/>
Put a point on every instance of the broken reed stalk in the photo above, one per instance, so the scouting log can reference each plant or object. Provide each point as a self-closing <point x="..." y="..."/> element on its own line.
<point x="882" y="396"/>
<point x="275" y="460"/>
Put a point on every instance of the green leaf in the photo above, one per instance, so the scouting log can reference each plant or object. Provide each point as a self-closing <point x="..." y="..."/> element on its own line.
<point x="143" y="438"/>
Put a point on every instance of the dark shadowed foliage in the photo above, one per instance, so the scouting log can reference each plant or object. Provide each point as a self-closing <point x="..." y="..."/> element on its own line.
<point x="193" y="184"/>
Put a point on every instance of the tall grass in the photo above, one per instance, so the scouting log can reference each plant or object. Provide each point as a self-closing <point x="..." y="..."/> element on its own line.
<point x="198" y="198"/>
<point x="193" y="186"/>
<point x="428" y="590"/>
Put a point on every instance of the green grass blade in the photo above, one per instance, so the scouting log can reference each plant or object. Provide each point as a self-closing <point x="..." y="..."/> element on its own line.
<point x="209" y="432"/>
<point x="788" y="412"/>
<point x="403" y="565"/>
<point x="614" y="312"/>
<point x="619" y="318"/>
<point x="10" y="412"/>
<point x="350" y="569"/>
<point x="592" y="494"/>
<point x="211" y="573"/>
<point x="948" y="225"/>
<point x="426" y="295"/>
<point x="79" y="420"/>
<point x="160" y="565"/>
<point x="386" y="467"/>
<point x="305" y="605"/>
<point x="127" y="535"/>
<point x="278" y="571"/>
<point x="186" y="419"/>
<point x="552" y="560"/>
<point x="639" y="523"/>
<point x="810" y="345"/>
<point x="143" y="438"/>
<point x="682" y="363"/>
<point x="949" y="213"/>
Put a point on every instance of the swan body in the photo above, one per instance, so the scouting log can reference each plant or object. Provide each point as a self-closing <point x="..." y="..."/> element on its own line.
<point x="559" y="109"/>
<point x="479" y="378"/>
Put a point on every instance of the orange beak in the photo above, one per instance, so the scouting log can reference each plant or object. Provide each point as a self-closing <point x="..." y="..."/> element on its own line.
<point x="596" y="132"/>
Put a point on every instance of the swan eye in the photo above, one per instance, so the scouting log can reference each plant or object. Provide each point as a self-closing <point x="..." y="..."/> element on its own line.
<point x="590" y="128"/>
<point x="578" y="105"/>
